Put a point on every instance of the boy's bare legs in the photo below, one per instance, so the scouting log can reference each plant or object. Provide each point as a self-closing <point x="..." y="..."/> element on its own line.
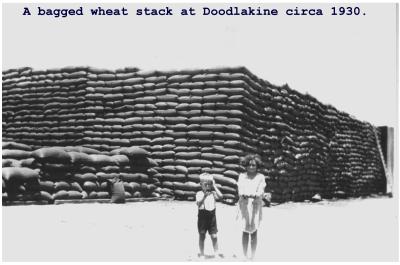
<point x="245" y="243"/>
<point x="214" y="240"/>
<point x="253" y="244"/>
<point x="202" y="237"/>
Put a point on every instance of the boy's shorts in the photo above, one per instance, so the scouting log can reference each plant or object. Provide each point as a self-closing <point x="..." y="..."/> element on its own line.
<point x="207" y="221"/>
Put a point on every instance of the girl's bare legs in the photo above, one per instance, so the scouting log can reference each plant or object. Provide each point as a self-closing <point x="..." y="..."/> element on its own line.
<point x="245" y="243"/>
<point x="253" y="244"/>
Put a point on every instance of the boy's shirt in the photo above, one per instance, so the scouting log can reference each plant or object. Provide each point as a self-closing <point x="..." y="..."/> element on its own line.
<point x="209" y="202"/>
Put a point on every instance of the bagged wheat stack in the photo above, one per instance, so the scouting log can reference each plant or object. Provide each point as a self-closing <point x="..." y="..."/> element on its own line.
<point x="16" y="146"/>
<point x="139" y="171"/>
<point x="188" y="105"/>
<point x="51" y="155"/>
<point x="60" y="170"/>
<point x="19" y="184"/>
<point x="16" y="154"/>
<point x="19" y="174"/>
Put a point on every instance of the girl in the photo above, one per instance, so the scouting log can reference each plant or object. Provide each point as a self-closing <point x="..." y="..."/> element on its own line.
<point x="251" y="185"/>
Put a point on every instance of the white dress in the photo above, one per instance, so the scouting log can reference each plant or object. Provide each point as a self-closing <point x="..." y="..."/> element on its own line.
<point x="250" y="210"/>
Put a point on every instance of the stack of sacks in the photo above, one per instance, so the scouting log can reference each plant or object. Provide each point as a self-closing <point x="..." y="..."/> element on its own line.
<point x="56" y="171"/>
<point x="195" y="121"/>
<point x="138" y="173"/>
<point x="63" y="173"/>
<point x="107" y="104"/>
<point x="45" y="106"/>
<point x="353" y="161"/>
<point x="20" y="174"/>
<point x="189" y="121"/>
<point x="92" y="171"/>
<point x="293" y="139"/>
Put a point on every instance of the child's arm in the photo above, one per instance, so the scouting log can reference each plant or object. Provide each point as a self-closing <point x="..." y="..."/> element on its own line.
<point x="240" y="187"/>
<point x="199" y="200"/>
<point x="261" y="187"/>
<point x="217" y="193"/>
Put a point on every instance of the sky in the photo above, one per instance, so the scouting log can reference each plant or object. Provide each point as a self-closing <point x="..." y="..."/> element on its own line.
<point x="349" y="62"/>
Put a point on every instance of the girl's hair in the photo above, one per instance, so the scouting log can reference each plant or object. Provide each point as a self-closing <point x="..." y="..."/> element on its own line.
<point x="251" y="157"/>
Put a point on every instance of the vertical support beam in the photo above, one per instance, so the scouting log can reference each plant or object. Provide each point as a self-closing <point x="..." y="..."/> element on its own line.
<point x="390" y="159"/>
<point x="389" y="146"/>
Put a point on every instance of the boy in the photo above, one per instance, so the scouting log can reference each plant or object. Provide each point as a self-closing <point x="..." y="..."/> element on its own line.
<point x="206" y="218"/>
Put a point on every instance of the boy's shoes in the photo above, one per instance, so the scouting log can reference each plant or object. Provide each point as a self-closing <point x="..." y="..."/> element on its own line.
<point x="218" y="256"/>
<point x="201" y="256"/>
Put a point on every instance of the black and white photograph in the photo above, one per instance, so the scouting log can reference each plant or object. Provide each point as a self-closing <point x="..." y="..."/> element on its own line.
<point x="199" y="132"/>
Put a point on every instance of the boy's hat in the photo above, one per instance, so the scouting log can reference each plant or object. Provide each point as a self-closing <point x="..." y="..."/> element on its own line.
<point x="205" y="177"/>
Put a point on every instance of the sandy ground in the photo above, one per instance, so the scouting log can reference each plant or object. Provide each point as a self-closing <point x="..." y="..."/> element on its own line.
<point x="345" y="230"/>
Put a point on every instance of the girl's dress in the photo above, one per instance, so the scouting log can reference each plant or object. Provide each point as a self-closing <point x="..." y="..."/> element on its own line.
<point x="250" y="210"/>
